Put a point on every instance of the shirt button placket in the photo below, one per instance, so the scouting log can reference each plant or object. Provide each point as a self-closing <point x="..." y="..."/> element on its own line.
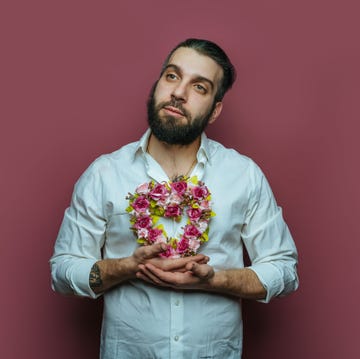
<point x="177" y="325"/>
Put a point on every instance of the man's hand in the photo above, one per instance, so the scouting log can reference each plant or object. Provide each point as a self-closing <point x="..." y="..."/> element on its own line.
<point x="150" y="255"/>
<point x="194" y="276"/>
<point x="107" y="273"/>
<point x="242" y="282"/>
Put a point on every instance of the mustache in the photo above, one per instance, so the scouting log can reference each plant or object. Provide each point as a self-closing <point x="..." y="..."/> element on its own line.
<point x="176" y="104"/>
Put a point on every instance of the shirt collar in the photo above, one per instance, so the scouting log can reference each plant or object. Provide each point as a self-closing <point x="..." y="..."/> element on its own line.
<point x="142" y="145"/>
<point x="203" y="154"/>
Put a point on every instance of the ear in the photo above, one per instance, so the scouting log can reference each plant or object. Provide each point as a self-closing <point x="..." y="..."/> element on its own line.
<point x="216" y="112"/>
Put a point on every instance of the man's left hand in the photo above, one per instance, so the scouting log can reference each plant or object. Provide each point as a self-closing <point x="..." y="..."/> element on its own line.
<point x="196" y="276"/>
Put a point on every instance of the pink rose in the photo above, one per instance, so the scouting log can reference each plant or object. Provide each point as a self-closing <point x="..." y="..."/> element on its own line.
<point x="174" y="198"/>
<point x="169" y="253"/>
<point x="143" y="222"/>
<point x="191" y="231"/>
<point x="173" y="211"/>
<point x="159" y="192"/>
<point x="194" y="213"/>
<point x="204" y="204"/>
<point x="179" y="187"/>
<point x="162" y="202"/>
<point x="194" y="245"/>
<point x="142" y="189"/>
<point x="199" y="192"/>
<point x="154" y="234"/>
<point x="183" y="245"/>
<point x="141" y="204"/>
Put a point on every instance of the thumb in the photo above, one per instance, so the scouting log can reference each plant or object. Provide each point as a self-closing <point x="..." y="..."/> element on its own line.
<point x="202" y="271"/>
<point x="154" y="250"/>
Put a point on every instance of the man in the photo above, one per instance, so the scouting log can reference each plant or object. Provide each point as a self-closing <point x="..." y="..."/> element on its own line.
<point x="187" y="306"/>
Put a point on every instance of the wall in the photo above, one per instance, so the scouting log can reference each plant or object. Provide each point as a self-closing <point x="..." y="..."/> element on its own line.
<point x="75" y="76"/>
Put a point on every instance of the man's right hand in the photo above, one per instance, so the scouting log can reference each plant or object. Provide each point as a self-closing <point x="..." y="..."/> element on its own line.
<point x="150" y="254"/>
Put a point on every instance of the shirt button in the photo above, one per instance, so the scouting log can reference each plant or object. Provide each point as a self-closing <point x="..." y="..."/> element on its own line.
<point x="176" y="338"/>
<point x="177" y="302"/>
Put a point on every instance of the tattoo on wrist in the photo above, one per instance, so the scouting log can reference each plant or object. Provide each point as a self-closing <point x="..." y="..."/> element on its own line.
<point x="95" y="277"/>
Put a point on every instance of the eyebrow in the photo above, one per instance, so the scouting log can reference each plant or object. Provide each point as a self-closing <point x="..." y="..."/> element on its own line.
<point x="196" y="78"/>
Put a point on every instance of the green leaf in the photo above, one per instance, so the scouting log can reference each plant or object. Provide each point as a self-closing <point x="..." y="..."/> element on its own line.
<point x="194" y="180"/>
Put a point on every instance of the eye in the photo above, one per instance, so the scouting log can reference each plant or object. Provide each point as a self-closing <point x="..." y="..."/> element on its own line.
<point x="200" y="88"/>
<point x="171" y="76"/>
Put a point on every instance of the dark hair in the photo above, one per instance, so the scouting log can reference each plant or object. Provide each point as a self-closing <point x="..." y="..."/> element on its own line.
<point x="212" y="50"/>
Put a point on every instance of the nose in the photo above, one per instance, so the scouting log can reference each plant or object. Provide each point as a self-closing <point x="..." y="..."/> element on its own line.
<point x="179" y="92"/>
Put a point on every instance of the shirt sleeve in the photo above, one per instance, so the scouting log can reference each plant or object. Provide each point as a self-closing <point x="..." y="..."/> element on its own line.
<point x="81" y="237"/>
<point x="269" y="243"/>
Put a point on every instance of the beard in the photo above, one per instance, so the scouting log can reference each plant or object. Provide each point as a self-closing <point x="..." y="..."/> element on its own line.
<point x="168" y="129"/>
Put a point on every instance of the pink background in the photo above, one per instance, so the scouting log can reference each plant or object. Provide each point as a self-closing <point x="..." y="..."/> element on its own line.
<point x="75" y="76"/>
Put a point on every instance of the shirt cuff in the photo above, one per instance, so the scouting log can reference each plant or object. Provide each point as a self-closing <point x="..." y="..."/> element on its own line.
<point x="78" y="277"/>
<point x="270" y="277"/>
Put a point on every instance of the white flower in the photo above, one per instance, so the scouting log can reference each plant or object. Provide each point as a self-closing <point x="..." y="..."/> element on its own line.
<point x="142" y="233"/>
<point x="202" y="226"/>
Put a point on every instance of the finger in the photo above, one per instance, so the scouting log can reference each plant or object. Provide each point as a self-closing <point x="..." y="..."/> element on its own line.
<point x="167" y="277"/>
<point x="199" y="258"/>
<point x="149" y="276"/>
<point x="176" y="264"/>
<point x="174" y="279"/>
<point x="169" y="264"/>
<point x="143" y="277"/>
<point x="152" y="251"/>
<point x="205" y="260"/>
<point x="155" y="249"/>
<point x="202" y="271"/>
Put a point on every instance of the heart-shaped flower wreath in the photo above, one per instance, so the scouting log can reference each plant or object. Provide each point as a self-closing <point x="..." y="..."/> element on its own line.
<point x="171" y="200"/>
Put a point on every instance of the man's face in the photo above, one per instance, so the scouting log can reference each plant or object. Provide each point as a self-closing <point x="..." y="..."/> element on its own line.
<point x="182" y="103"/>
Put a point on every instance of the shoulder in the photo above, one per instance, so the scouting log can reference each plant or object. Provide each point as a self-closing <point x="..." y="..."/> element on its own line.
<point x="107" y="165"/>
<point x="123" y="155"/>
<point x="222" y="156"/>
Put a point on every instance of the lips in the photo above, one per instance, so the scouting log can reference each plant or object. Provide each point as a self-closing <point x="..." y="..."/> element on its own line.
<point x="174" y="110"/>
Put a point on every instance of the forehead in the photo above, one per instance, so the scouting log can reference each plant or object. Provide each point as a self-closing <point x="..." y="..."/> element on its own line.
<point x="194" y="64"/>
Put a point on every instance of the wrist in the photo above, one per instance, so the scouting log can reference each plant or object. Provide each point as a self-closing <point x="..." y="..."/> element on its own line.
<point x="117" y="270"/>
<point x="130" y="265"/>
<point x="218" y="282"/>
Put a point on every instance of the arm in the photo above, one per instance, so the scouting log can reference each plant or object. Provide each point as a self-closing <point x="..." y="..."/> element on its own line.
<point x="242" y="283"/>
<point x="269" y="243"/>
<point x="108" y="273"/>
<point x="80" y="238"/>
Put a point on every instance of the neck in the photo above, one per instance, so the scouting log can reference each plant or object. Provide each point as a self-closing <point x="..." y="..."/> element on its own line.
<point x="176" y="160"/>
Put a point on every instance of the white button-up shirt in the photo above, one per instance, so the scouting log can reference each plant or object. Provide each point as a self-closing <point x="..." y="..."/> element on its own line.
<point x="144" y="321"/>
